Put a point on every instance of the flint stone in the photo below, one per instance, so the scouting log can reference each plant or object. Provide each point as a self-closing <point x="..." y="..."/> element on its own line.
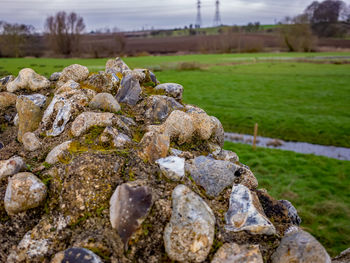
<point x="28" y="79"/>
<point x="55" y="76"/>
<point x="37" y="99"/>
<point x="343" y="257"/>
<point x="88" y="119"/>
<point x="119" y="140"/>
<point x="246" y="214"/>
<point x="7" y="99"/>
<point x="104" y="82"/>
<point x="159" y="108"/>
<point x="230" y="253"/>
<point x="76" y="255"/>
<point x="1" y="145"/>
<point x="4" y="81"/>
<point x="29" y="115"/>
<point x="57" y="152"/>
<point x="225" y="155"/>
<point x="24" y="191"/>
<point x="171" y="89"/>
<point x="69" y="86"/>
<point x="129" y="91"/>
<point x="299" y="246"/>
<point x="129" y="206"/>
<point x="11" y="166"/>
<point x="105" y="102"/>
<point x="30" y="141"/>
<point x="74" y="72"/>
<point x="116" y="65"/>
<point x="213" y="175"/>
<point x="61" y="108"/>
<point x="190" y="233"/>
<point x="292" y="212"/>
<point x="154" y="146"/>
<point x="172" y="167"/>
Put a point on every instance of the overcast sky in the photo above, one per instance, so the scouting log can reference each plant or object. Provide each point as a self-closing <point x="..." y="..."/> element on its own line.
<point x="137" y="14"/>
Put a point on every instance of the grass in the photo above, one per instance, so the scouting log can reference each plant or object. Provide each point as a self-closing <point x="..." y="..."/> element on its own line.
<point x="289" y="100"/>
<point x="317" y="186"/>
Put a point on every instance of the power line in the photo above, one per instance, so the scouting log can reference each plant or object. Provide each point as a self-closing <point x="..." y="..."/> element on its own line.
<point x="217" y="18"/>
<point x="199" y="18"/>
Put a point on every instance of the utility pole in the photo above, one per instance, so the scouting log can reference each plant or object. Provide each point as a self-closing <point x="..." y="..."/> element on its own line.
<point x="199" y="17"/>
<point x="217" y="18"/>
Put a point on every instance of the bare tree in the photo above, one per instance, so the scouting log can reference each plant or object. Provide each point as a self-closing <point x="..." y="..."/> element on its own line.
<point x="64" y="32"/>
<point x="297" y="35"/>
<point x="325" y="17"/>
<point x="13" y="38"/>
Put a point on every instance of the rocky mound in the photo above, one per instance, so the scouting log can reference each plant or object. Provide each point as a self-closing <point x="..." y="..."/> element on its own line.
<point x="114" y="167"/>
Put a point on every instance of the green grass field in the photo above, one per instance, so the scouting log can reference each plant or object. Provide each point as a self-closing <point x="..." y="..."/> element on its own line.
<point x="289" y="100"/>
<point x="317" y="186"/>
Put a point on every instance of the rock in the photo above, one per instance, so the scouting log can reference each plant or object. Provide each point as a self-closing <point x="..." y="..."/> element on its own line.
<point x="29" y="116"/>
<point x="24" y="191"/>
<point x="159" y="108"/>
<point x="105" y="102"/>
<point x="292" y="212"/>
<point x="234" y="253"/>
<point x="246" y="214"/>
<point x="129" y="91"/>
<point x="57" y="152"/>
<point x="1" y="145"/>
<point x="62" y="107"/>
<point x="183" y="126"/>
<point x="76" y="255"/>
<point x="88" y="119"/>
<point x="55" y="76"/>
<point x="74" y="72"/>
<point x="4" y="81"/>
<point x="213" y="175"/>
<point x="116" y="66"/>
<point x="129" y="206"/>
<point x="178" y="126"/>
<point x="216" y="175"/>
<point x="11" y="166"/>
<point x="299" y="246"/>
<point x="154" y="146"/>
<point x="28" y="79"/>
<point x="37" y="99"/>
<point x="69" y="86"/>
<point x="104" y="82"/>
<point x="118" y="140"/>
<point x="171" y="89"/>
<point x="172" y="167"/>
<point x="7" y="99"/>
<point x="218" y="135"/>
<point x="30" y="141"/>
<point x="343" y="257"/>
<point x="225" y="155"/>
<point x="190" y="233"/>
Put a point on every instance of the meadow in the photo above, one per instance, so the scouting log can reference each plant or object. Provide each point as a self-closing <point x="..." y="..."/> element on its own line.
<point x="292" y="96"/>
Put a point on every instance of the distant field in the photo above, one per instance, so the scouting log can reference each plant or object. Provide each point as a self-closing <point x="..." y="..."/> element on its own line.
<point x="292" y="101"/>
<point x="317" y="186"/>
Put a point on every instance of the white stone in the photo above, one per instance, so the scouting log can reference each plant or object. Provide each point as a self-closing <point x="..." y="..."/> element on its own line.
<point x="172" y="167"/>
<point x="243" y="215"/>
<point x="28" y="79"/>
